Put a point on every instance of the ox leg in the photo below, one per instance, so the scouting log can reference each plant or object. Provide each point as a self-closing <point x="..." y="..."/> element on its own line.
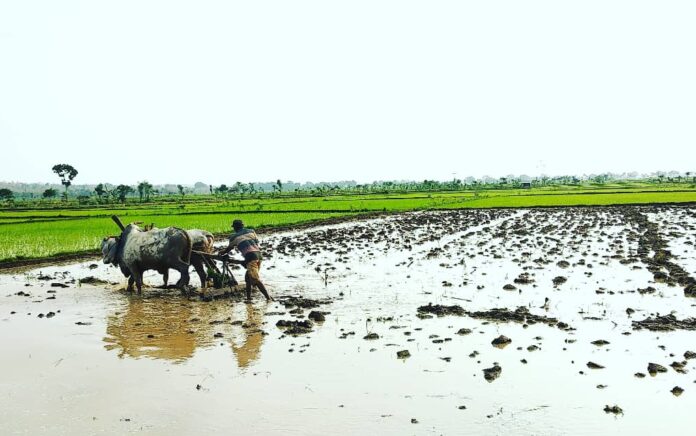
<point x="183" y="269"/>
<point x="131" y="280"/>
<point x="165" y="277"/>
<point x="138" y="276"/>
<point x="198" y="266"/>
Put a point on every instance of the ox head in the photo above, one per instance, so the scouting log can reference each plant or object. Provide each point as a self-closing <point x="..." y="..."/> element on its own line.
<point x="109" y="248"/>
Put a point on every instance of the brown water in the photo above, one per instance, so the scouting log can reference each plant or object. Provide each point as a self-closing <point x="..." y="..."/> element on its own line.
<point x="164" y="364"/>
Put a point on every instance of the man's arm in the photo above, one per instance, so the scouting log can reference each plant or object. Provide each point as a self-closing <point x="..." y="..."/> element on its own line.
<point x="227" y="249"/>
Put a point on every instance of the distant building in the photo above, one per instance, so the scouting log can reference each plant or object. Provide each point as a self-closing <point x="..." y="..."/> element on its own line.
<point x="526" y="185"/>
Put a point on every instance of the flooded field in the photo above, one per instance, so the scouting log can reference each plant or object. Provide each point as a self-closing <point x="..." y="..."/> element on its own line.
<point x="545" y="321"/>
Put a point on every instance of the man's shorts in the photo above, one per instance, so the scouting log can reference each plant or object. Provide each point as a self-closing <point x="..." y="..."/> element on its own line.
<point x="252" y="271"/>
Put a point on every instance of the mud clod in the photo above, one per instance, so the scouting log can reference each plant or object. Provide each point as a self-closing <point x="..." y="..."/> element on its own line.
<point x="403" y="354"/>
<point x="501" y="341"/>
<point x="302" y="303"/>
<point x="665" y="323"/>
<point x="295" y="328"/>
<point x="91" y="280"/>
<point x="616" y="410"/>
<point x="492" y="373"/>
<point x="520" y="315"/>
<point x="317" y="316"/>
<point x="559" y="280"/>
<point x="654" y="368"/>
<point x="441" y="310"/>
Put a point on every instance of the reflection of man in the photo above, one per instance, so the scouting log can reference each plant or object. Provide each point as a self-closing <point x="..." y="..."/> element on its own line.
<point x="248" y="351"/>
<point x="246" y="241"/>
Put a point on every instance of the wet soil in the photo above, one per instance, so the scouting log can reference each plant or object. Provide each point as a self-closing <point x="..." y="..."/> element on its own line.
<point x="376" y="322"/>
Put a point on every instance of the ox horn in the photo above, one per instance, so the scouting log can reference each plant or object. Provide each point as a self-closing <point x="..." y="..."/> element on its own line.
<point x="118" y="222"/>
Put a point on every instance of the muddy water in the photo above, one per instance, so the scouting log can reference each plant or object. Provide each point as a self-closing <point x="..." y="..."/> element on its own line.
<point x="160" y="363"/>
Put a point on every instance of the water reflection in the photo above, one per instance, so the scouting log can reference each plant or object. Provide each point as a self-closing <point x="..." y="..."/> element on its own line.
<point x="172" y="328"/>
<point x="246" y="344"/>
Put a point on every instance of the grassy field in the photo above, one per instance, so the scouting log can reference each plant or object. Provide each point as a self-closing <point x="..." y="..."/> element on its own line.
<point x="47" y="232"/>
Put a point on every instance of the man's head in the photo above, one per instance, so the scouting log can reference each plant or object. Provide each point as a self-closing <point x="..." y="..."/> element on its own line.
<point x="237" y="225"/>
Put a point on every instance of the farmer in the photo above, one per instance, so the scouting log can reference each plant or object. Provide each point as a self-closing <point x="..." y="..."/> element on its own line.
<point x="246" y="241"/>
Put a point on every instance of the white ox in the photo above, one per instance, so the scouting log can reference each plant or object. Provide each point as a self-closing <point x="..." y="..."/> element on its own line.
<point x="137" y="251"/>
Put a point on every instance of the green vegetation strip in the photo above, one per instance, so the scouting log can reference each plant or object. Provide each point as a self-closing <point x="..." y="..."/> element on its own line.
<point x="54" y="232"/>
<point x="49" y="239"/>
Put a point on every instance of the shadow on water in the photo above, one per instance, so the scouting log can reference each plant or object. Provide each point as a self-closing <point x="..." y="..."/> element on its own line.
<point x="172" y="328"/>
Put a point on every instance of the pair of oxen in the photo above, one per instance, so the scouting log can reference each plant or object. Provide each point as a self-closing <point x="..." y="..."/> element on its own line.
<point x="137" y="250"/>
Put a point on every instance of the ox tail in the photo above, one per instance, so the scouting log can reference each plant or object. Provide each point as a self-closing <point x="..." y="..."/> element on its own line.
<point x="189" y="246"/>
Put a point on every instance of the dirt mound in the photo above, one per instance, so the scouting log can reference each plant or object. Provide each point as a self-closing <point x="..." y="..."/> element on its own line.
<point x="441" y="310"/>
<point x="520" y="315"/>
<point x="91" y="280"/>
<point x="665" y="323"/>
<point x="492" y="373"/>
<point x="302" y="303"/>
<point x="295" y="328"/>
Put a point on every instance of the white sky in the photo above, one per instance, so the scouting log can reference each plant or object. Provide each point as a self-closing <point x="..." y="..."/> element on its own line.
<point x="220" y="91"/>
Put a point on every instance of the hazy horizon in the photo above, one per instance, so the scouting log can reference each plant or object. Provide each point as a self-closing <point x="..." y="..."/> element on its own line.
<point x="178" y="92"/>
<point x="522" y="177"/>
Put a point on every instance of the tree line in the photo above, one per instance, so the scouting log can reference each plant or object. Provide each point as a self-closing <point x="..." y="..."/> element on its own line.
<point x="144" y="191"/>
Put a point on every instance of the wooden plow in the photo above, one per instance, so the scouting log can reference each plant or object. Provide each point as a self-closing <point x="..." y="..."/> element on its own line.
<point x="225" y="282"/>
<point x="210" y="259"/>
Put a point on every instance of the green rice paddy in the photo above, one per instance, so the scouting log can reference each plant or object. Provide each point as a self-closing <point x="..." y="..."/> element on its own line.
<point x="44" y="233"/>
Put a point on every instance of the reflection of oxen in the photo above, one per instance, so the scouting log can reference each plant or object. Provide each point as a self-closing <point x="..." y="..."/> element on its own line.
<point x="152" y="327"/>
<point x="173" y="328"/>
<point x="137" y="250"/>
<point x="201" y="240"/>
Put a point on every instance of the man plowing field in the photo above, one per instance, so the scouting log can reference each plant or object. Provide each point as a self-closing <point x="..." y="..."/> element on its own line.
<point x="247" y="243"/>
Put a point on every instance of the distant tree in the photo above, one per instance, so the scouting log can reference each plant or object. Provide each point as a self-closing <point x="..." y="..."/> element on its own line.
<point x="99" y="190"/>
<point x="181" y="190"/>
<point x="222" y="189"/>
<point x="144" y="190"/>
<point x="67" y="173"/>
<point x="239" y="187"/>
<point x="6" y="194"/>
<point x="50" y="193"/>
<point x="102" y="192"/>
<point x="122" y="191"/>
<point x="279" y="186"/>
